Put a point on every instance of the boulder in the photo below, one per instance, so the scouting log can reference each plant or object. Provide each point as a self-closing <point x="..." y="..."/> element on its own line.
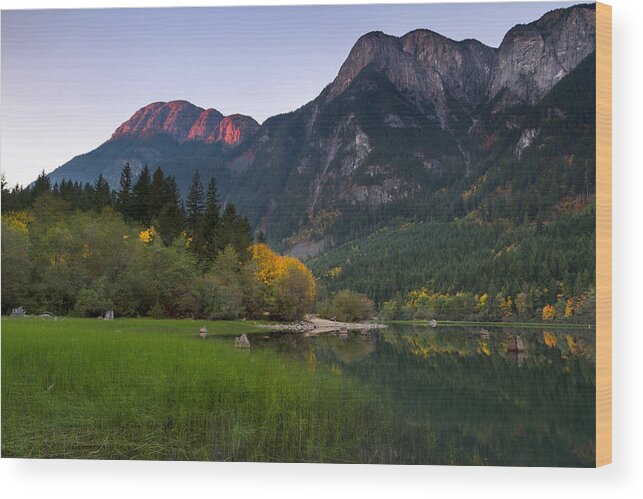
<point x="18" y="312"/>
<point x="242" y="341"/>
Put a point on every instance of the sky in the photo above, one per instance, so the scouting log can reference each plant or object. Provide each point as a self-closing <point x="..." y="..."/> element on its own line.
<point x="69" y="78"/>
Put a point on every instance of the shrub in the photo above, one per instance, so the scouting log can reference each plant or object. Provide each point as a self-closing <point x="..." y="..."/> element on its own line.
<point x="347" y="305"/>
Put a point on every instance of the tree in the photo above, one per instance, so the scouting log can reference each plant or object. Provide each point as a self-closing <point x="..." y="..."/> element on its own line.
<point x="548" y="313"/>
<point x="158" y="194"/>
<point x="16" y="264"/>
<point x="260" y="237"/>
<point x="194" y="203"/>
<point x="286" y="286"/>
<point x="194" y="216"/>
<point x="41" y="186"/>
<point x="235" y="230"/>
<point x="171" y="217"/>
<point x="211" y="218"/>
<point x="124" y="195"/>
<point x="220" y="291"/>
<point x="350" y="306"/>
<point x="101" y="193"/>
<point x="141" y="197"/>
<point x="86" y="197"/>
<point x="294" y="291"/>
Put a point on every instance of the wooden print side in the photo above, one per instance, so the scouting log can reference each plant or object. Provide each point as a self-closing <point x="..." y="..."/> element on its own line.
<point x="603" y="234"/>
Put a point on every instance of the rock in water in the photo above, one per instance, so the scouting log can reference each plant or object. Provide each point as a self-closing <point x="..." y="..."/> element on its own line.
<point x="242" y="341"/>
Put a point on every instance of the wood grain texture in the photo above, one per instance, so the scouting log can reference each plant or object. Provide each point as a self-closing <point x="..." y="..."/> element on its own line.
<point x="603" y="234"/>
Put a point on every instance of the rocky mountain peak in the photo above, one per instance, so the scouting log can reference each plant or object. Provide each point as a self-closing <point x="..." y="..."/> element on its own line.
<point x="530" y="61"/>
<point x="183" y="121"/>
<point x="533" y="57"/>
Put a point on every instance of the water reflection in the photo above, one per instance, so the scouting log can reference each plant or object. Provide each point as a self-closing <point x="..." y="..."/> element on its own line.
<point x="466" y="395"/>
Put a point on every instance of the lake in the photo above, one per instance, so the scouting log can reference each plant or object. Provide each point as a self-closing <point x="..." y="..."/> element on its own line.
<point x="462" y="395"/>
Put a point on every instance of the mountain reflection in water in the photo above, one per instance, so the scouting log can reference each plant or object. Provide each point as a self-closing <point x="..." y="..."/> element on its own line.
<point x="468" y="396"/>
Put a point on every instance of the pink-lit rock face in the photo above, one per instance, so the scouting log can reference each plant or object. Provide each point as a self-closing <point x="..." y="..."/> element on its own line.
<point x="233" y="130"/>
<point x="184" y="121"/>
<point x="205" y="123"/>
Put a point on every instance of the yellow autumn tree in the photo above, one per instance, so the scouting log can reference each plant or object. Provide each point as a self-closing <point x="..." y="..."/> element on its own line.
<point x="289" y="286"/>
<point x="482" y="302"/>
<point x="148" y="236"/>
<point x="550" y="339"/>
<point x="548" y="313"/>
<point x="506" y="306"/>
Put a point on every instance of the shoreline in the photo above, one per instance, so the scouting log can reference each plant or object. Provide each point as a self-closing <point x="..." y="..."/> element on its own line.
<point x="313" y="325"/>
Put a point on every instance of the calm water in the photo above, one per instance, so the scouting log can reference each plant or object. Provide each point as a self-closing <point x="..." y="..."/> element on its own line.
<point x="459" y="396"/>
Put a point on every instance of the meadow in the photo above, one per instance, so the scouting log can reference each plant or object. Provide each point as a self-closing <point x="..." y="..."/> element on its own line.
<point x="152" y="389"/>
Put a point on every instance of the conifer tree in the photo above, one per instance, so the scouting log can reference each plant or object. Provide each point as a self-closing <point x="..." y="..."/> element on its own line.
<point x="171" y="218"/>
<point x="211" y="218"/>
<point x="194" y="204"/>
<point x="158" y="194"/>
<point x="101" y="193"/>
<point x="234" y="230"/>
<point x="194" y="217"/>
<point x="86" y="197"/>
<point x="41" y="186"/>
<point x="124" y="195"/>
<point x="141" y="197"/>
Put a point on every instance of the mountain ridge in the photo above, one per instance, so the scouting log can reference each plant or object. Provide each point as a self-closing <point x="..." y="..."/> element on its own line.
<point x="404" y="119"/>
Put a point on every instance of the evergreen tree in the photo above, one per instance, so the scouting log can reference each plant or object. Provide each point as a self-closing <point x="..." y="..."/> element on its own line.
<point x="41" y="186"/>
<point x="171" y="218"/>
<point x="194" y="205"/>
<point x="141" y="197"/>
<point x="260" y="237"/>
<point x="124" y="195"/>
<point x="211" y="218"/>
<point x="234" y="230"/>
<point x="158" y="194"/>
<point x="86" y="197"/>
<point x="102" y="195"/>
<point x="194" y="217"/>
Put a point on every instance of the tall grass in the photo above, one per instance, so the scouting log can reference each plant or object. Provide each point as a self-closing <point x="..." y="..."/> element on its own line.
<point x="143" y="389"/>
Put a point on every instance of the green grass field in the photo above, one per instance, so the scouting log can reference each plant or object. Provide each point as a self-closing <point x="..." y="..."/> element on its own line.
<point x="147" y="389"/>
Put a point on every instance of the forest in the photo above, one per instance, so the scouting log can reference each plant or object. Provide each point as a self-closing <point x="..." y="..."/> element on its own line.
<point x="139" y="251"/>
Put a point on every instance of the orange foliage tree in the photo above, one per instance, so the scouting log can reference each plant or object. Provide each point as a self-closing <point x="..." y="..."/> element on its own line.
<point x="288" y="286"/>
<point x="548" y="312"/>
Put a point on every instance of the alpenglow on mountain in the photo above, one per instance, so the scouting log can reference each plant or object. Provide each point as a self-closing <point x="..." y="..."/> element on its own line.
<point x="418" y="127"/>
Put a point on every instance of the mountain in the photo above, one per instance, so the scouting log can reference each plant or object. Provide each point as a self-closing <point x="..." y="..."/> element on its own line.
<point x="404" y="118"/>
<point x="414" y="129"/>
<point x="167" y="134"/>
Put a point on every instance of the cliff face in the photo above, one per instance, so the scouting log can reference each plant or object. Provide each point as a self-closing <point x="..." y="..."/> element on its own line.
<point x="534" y="57"/>
<point x="530" y="61"/>
<point x="183" y="121"/>
<point x="422" y="64"/>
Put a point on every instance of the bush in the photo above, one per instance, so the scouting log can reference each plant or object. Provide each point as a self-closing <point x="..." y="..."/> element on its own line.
<point x="93" y="302"/>
<point x="347" y="305"/>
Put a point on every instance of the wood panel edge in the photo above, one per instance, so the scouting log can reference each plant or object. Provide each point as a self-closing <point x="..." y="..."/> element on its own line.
<point x="603" y="234"/>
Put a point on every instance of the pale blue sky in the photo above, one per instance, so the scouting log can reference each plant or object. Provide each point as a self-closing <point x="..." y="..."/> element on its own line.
<point x="70" y="77"/>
